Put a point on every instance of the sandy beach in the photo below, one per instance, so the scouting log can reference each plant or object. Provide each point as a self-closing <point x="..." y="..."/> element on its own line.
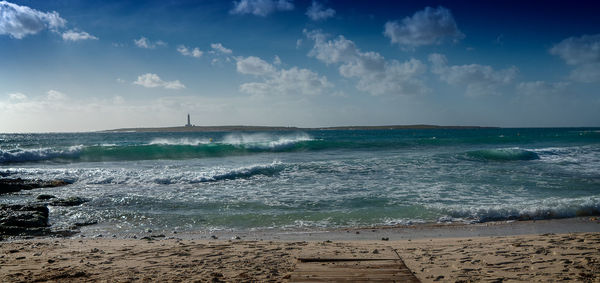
<point x="562" y="256"/>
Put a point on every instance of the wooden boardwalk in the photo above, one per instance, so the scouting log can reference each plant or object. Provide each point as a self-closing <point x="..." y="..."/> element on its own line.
<point x="383" y="266"/>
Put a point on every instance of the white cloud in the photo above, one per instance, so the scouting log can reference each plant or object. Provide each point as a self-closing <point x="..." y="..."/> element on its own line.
<point x="277" y="60"/>
<point x="55" y="95"/>
<point x="218" y="47"/>
<point x="260" y="7"/>
<point x="196" y="52"/>
<point x="144" y="42"/>
<point x="583" y="53"/>
<point x="426" y="27"/>
<point x="254" y="66"/>
<point x="153" y="80"/>
<point x="118" y="99"/>
<point x="20" y="21"/>
<point x="542" y="88"/>
<point x="17" y="96"/>
<point x="121" y="81"/>
<point x="375" y="74"/>
<point x="317" y="12"/>
<point x="73" y="35"/>
<point x="479" y="79"/>
<point x="279" y="81"/>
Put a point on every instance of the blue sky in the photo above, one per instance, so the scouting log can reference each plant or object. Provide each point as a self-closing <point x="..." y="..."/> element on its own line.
<point x="91" y="65"/>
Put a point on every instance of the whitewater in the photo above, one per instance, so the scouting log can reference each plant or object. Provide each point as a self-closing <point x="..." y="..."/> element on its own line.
<point x="308" y="179"/>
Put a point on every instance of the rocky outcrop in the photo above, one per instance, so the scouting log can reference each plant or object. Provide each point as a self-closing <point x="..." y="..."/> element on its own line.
<point x="71" y="201"/>
<point x="45" y="197"/>
<point x="8" y="185"/>
<point x="28" y="219"/>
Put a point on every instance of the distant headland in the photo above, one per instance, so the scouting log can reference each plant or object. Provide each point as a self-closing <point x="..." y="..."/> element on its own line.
<point x="240" y="128"/>
<point x="271" y="129"/>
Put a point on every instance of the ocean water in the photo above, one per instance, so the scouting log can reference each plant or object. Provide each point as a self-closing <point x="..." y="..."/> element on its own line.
<point x="309" y="179"/>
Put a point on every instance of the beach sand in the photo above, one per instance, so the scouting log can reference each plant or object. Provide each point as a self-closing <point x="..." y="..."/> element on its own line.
<point x="530" y="257"/>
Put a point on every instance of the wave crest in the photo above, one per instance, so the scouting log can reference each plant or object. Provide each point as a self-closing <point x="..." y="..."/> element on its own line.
<point x="503" y="154"/>
<point x="181" y="141"/>
<point x="265" y="141"/>
<point x="216" y="175"/>
<point x="548" y="209"/>
<point x="37" y="154"/>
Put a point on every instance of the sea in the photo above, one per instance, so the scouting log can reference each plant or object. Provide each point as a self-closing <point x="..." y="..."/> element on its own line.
<point x="317" y="179"/>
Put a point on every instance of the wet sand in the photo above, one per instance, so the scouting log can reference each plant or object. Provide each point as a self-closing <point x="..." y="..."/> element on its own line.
<point x="566" y="255"/>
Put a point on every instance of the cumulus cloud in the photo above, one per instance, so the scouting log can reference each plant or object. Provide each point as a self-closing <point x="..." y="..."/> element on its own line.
<point x="55" y="95"/>
<point x="17" y="96"/>
<point x="153" y="80"/>
<point x="374" y="73"/>
<point x="20" y="21"/>
<point x="318" y="12"/>
<point x="218" y="47"/>
<point x="479" y="79"/>
<point x="74" y="35"/>
<point x="254" y="66"/>
<point x="542" y="88"/>
<point x="144" y="42"/>
<point x="260" y="7"/>
<point x="426" y="27"/>
<point x="279" y="81"/>
<point x="196" y="52"/>
<point x="583" y="53"/>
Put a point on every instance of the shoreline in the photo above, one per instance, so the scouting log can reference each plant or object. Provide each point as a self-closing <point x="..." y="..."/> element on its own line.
<point x="584" y="224"/>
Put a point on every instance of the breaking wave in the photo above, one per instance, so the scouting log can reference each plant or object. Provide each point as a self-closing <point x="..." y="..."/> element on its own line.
<point x="38" y="154"/>
<point x="546" y="209"/>
<point x="224" y="174"/>
<point x="503" y="154"/>
<point x="164" y="148"/>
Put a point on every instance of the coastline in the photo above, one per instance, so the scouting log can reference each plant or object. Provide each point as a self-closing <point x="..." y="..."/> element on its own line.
<point x="587" y="224"/>
<point x="243" y="128"/>
<point x="544" y="250"/>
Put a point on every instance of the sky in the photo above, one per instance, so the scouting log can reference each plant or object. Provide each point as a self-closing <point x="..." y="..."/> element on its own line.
<point x="79" y="65"/>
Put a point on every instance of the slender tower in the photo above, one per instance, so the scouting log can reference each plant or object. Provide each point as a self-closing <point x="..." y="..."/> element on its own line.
<point x="188" y="123"/>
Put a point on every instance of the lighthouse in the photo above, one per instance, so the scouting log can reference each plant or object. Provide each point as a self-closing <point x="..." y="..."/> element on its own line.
<point x="188" y="123"/>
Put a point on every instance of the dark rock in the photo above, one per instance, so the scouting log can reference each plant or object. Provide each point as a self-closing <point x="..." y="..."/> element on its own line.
<point x="71" y="201"/>
<point x="29" y="219"/>
<point x="14" y="185"/>
<point x="87" y="223"/>
<point x="45" y="197"/>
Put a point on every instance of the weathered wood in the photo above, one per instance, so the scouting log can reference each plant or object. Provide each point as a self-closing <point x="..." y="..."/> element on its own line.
<point x="389" y="267"/>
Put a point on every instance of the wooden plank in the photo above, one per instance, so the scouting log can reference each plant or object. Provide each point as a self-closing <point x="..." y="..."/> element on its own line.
<point x="386" y="266"/>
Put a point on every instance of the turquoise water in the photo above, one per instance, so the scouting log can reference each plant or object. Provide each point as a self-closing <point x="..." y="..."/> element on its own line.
<point x="197" y="181"/>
